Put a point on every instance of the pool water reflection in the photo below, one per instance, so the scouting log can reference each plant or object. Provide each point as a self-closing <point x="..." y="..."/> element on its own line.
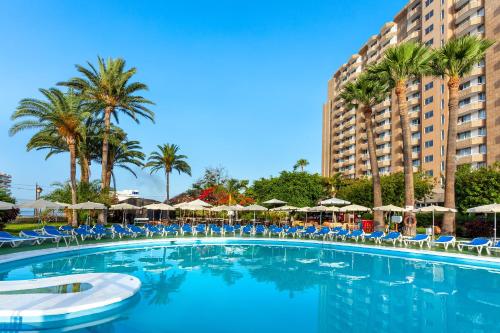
<point x="249" y="288"/>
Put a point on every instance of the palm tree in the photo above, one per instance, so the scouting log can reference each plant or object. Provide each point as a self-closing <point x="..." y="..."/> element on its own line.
<point x="233" y="187"/>
<point x="363" y="94"/>
<point x="301" y="163"/>
<point x="401" y="63"/>
<point x="166" y="158"/>
<point x="454" y="60"/>
<point x="89" y="147"/>
<point x="108" y="86"/>
<point x="59" y="120"/>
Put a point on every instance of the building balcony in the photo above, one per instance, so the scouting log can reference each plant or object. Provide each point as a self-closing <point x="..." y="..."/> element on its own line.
<point x="460" y="3"/>
<point x="413" y="88"/>
<point x="415" y="155"/>
<point x="351" y="122"/>
<point x="475" y="123"/>
<point x="412" y="37"/>
<point x="471" y="7"/>
<point x="381" y="140"/>
<point x="382" y="116"/>
<point x="382" y="128"/>
<point x="350" y="132"/>
<point x="413" y="101"/>
<point x="414" y="128"/>
<point x="413" y="26"/>
<point x="415" y="142"/>
<point x="384" y="163"/>
<point x="469" y="25"/>
<point x="383" y="151"/>
<point x="387" y="36"/>
<point x="468" y="159"/>
<point x="471" y="90"/>
<point x="474" y="141"/>
<point x="470" y="107"/>
<point x="413" y="13"/>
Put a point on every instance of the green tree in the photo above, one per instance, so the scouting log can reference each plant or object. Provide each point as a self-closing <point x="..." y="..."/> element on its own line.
<point x="362" y="95"/>
<point x="301" y="164"/>
<point x="168" y="159"/>
<point x="477" y="187"/>
<point x="234" y="187"/>
<point x="109" y="87"/>
<point x="296" y="188"/>
<point x="455" y="60"/>
<point x="59" y="119"/>
<point x="399" y="65"/>
<point x="7" y="215"/>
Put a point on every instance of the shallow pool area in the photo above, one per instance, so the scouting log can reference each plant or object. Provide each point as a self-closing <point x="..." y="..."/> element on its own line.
<point x="272" y="286"/>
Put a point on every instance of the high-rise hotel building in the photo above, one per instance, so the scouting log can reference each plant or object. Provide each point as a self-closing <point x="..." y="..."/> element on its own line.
<point x="431" y="22"/>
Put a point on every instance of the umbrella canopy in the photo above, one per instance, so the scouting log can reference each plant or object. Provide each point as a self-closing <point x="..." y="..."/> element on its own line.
<point x="40" y="204"/>
<point x="158" y="206"/>
<point x="124" y="206"/>
<point x="390" y="208"/>
<point x="235" y="208"/>
<point x="354" y="208"/>
<point x="284" y="208"/>
<point x="274" y="202"/>
<point x="334" y="201"/>
<point x="435" y="209"/>
<point x="332" y="209"/>
<point x="6" y="205"/>
<point x="318" y="209"/>
<point x="220" y="208"/>
<point x="89" y="205"/>
<point x="199" y="202"/>
<point x="304" y="209"/>
<point x="486" y="209"/>
<point x="194" y="207"/>
<point x="255" y="208"/>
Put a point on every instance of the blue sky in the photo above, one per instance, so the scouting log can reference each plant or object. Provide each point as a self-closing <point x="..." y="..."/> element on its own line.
<point x="238" y="84"/>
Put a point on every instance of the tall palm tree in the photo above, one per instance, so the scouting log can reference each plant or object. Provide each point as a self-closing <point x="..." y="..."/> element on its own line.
<point x="301" y="164"/>
<point x="109" y="86"/>
<point x="362" y="95"/>
<point x="59" y="120"/>
<point x="233" y="187"/>
<point x="168" y="159"/>
<point x="454" y="60"/>
<point x="89" y="147"/>
<point x="400" y="64"/>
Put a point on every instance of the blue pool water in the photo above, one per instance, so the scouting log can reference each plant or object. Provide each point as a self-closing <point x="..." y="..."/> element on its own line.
<point x="261" y="288"/>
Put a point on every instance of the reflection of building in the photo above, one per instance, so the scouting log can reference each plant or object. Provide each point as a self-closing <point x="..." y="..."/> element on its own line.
<point x="5" y="182"/>
<point x="127" y="194"/>
<point x="432" y="22"/>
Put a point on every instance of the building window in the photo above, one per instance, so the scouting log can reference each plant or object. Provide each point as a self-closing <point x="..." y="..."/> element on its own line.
<point x="429" y="129"/>
<point x="429" y="86"/>
<point x="442" y="119"/>
<point x="416" y="163"/>
<point x="415" y="149"/>
<point x="442" y="88"/>
<point x="428" y="2"/>
<point x="481" y="131"/>
<point x="415" y="121"/>
<point x="442" y="14"/>
<point x="481" y="96"/>
<point x="464" y="102"/>
<point x="442" y="29"/>
<point x="429" y="42"/>
<point x="429" y="158"/>
<point x="463" y="135"/>
<point x="429" y="15"/>
<point x="464" y="151"/>
<point x="430" y="173"/>
<point x="465" y="118"/>
<point x="429" y="143"/>
<point x="442" y="135"/>
<point x="481" y="79"/>
<point x="442" y="150"/>
<point x="429" y="100"/>
<point x="429" y="29"/>
<point x="482" y="149"/>
<point x="428" y="114"/>
<point x="415" y="136"/>
<point x="481" y="114"/>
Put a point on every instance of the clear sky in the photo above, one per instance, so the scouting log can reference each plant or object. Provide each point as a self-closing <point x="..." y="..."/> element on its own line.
<point x="238" y="84"/>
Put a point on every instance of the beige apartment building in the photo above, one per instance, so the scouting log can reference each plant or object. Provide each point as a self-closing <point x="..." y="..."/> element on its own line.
<point x="433" y="22"/>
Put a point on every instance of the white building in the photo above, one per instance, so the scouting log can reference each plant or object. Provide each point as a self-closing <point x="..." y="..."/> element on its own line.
<point x="127" y="194"/>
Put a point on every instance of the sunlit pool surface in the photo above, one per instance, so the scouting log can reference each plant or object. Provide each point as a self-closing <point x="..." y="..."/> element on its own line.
<point x="277" y="288"/>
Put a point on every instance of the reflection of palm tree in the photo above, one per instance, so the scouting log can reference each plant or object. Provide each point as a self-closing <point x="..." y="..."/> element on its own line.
<point x="158" y="292"/>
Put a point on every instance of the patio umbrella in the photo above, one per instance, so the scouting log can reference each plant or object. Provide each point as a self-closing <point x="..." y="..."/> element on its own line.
<point x="40" y="204"/>
<point x="274" y="202"/>
<point x="220" y="208"/>
<point x="89" y="205"/>
<point x="159" y="206"/>
<point x="286" y="208"/>
<point x="390" y="209"/>
<point x="354" y="208"/>
<point x="319" y="209"/>
<point x="255" y="209"/>
<point x="304" y="210"/>
<point x="434" y="209"/>
<point x="6" y="205"/>
<point x="334" y="202"/>
<point x="123" y="207"/>
<point x="488" y="209"/>
<point x="199" y="202"/>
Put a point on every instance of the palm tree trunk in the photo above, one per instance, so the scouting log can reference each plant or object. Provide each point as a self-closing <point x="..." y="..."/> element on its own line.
<point x="451" y="152"/>
<point x="84" y="169"/>
<point x="378" y="216"/>
<point x="72" y="158"/>
<point x="105" y="145"/>
<point x="410" y="222"/>
<point x="167" y="174"/>
<point x="109" y="171"/>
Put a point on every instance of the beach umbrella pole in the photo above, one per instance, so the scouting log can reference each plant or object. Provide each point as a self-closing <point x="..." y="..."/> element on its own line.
<point x="495" y="229"/>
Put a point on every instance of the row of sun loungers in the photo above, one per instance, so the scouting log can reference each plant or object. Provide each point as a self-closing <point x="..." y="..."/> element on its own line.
<point x="67" y="234"/>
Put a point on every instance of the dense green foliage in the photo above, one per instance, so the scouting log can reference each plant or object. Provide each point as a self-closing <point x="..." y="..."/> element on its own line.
<point x="296" y="188"/>
<point x="86" y="192"/>
<point x="7" y="215"/>
<point x="359" y="191"/>
<point x="475" y="187"/>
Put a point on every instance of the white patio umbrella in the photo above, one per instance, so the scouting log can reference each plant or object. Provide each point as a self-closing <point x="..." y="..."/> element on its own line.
<point x="433" y="209"/>
<point x="124" y="207"/>
<point x="255" y="209"/>
<point x="390" y="209"/>
<point x="320" y="210"/>
<point x="221" y="208"/>
<point x="199" y="202"/>
<point x="159" y="206"/>
<point x="89" y="205"/>
<point x="304" y="210"/>
<point x="274" y="202"/>
<point x="334" y="202"/>
<point x="488" y="209"/>
<point x="286" y="208"/>
<point x="6" y="205"/>
<point x="40" y="204"/>
<point x="354" y="208"/>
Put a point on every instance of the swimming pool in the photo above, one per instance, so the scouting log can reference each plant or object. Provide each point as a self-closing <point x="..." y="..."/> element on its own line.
<point x="272" y="286"/>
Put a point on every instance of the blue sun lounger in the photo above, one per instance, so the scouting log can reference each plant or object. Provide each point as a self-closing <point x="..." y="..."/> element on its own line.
<point x="186" y="229"/>
<point x="375" y="236"/>
<point x="356" y="234"/>
<point x="309" y="231"/>
<point x="478" y="243"/>
<point x="291" y="231"/>
<point x="201" y="229"/>
<point x="215" y="230"/>
<point x="322" y="233"/>
<point x="445" y="241"/>
<point x="152" y="230"/>
<point x="83" y="232"/>
<point x="99" y="231"/>
<point x="260" y="230"/>
<point x="342" y="234"/>
<point x="419" y="239"/>
<point x="274" y="230"/>
<point x="52" y="231"/>
<point x="392" y="237"/>
<point x="117" y="229"/>
<point x="247" y="230"/>
<point x="229" y="229"/>
<point x="136" y="230"/>
<point x="14" y="241"/>
<point x="41" y="238"/>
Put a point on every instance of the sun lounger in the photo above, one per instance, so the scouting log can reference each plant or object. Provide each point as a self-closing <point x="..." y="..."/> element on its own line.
<point x="152" y="230"/>
<point x="99" y="231"/>
<point x="136" y="230"/>
<point x="52" y="231"/>
<point x="419" y="239"/>
<point x="274" y="230"/>
<point x="117" y="229"/>
<point x="187" y="229"/>
<point x="215" y="230"/>
<point x="82" y="232"/>
<point x="309" y="231"/>
<point x="40" y="238"/>
<point x="14" y="241"/>
<point x="201" y="229"/>
<point x="322" y="233"/>
<point x="375" y="236"/>
<point x="247" y="230"/>
<point x="445" y="241"/>
<point x="291" y="231"/>
<point x="391" y="237"/>
<point x="342" y="234"/>
<point x="478" y="243"/>
<point x="495" y="247"/>
<point x="356" y="234"/>
<point x="229" y="229"/>
<point x="260" y="230"/>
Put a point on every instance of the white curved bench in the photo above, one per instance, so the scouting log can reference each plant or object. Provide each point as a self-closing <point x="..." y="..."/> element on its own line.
<point x="101" y="292"/>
